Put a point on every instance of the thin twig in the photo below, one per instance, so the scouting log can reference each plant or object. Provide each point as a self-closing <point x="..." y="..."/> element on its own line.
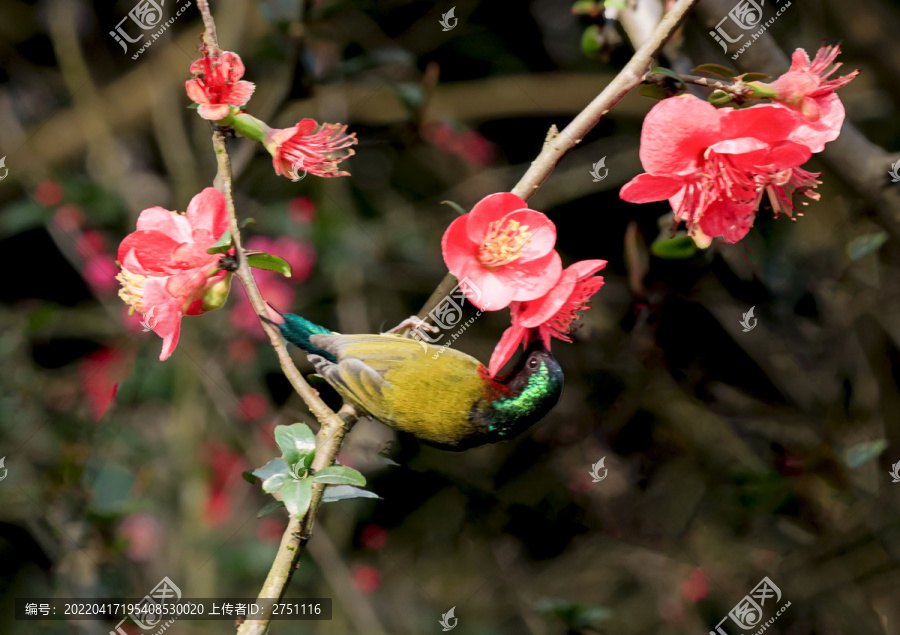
<point x="554" y="148"/>
<point x="739" y="90"/>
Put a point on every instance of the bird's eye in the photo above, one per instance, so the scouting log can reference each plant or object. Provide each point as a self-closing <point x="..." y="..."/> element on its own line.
<point x="533" y="363"/>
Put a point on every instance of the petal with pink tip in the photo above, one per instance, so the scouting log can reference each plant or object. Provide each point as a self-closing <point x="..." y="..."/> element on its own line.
<point x="649" y="188"/>
<point x="506" y="348"/>
<point x="489" y="209"/>
<point x="207" y="209"/>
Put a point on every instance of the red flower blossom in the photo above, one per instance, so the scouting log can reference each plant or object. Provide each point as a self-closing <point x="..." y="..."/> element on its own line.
<point x="551" y="315"/>
<point x="504" y="249"/>
<point x="216" y="87"/>
<point x="804" y="87"/>
<point x="166" y="272"/>
<point x="715" y="165"/>
<point x="305" y="149"/>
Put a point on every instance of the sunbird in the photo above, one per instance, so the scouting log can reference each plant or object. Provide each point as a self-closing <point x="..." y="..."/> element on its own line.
<point x="447" y="399"/>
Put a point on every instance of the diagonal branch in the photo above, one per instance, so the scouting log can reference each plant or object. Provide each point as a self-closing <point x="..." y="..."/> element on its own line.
<point x="556" y="146"/>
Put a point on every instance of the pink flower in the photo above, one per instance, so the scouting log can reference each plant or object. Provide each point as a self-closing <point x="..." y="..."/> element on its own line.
<point x="504" y="249"/>
<point x="551" y="315"/>
<point x="804" y="87"/>
<point x="216" y="87"/>
<point x="165" y="267"/>
<point x="302" y="148"/>
<point x="715" y="165"/>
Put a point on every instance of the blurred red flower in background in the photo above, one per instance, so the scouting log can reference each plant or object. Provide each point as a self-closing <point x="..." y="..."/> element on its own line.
<point x="227" y="466"/>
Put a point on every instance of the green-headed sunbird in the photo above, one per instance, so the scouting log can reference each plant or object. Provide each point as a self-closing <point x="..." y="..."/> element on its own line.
<point x="445" y="398"/>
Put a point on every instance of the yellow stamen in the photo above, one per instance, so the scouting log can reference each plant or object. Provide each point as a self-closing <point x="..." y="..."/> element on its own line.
<point x="503" y="243"/>
<point x="132" y="291"/>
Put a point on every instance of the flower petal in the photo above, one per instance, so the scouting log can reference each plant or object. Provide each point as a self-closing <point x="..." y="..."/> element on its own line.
<point x="195" y="92"/>
<point x="162" y="220"/>
<point x="648" y="188"/>
<point x="542" y="229"/>
<point x="489" y="209"/>
<point x="675" y="133"/>
<point x="207" y="210"/>
<point x="152" y="249"/>
<point x="214" y="112"/>
<point x="240" y="93"/>
<point x="534" y="278"/>
<point x="506" y="348"/>
<point x="457" y="249"/>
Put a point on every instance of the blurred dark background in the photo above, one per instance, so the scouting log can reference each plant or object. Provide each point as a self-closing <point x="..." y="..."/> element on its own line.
<point x="731" y="455"/>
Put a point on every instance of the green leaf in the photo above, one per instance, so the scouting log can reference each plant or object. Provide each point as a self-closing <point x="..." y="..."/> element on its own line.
<point x="194" y="106"/>
<point x="455" y="206"/>
<point x="862" y="246"/>
<point x="339" y="475"/>
<point x="297" y="496"/>
<point x="296" y="442"/>
<point x="653" y="90"/>
<point x="677" y="248"/>
<point x="590" y="41"/>
<point x="754" y="77"/>
<point x="669" y="73"/>
<point x="222" y="245"/>
<point x="862" y="453"/>
<point x="716" y="69"/>
<point x="270" y="507"/>
<point x="270" y="469"/>
<point x="346" y="492"/>
<point x="719" y="98"/>
<point x="270" y="262"/>
<point x="275" y="483"/>
<point x="247" y="221"/>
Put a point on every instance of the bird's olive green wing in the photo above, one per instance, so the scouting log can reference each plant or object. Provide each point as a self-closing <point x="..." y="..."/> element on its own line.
<point x="406" y="385"/>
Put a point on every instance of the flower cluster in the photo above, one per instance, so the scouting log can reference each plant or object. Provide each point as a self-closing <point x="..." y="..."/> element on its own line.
<point x="306" y="147"/>
<point x="507" y="252"/>
<point x="715" y="165"/>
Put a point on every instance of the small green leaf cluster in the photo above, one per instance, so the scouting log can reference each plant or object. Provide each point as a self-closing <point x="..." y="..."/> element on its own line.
<point x="292" y="476"/>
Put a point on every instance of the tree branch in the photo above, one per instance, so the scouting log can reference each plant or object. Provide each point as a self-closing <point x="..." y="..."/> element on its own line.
<point x="555" y="147"/>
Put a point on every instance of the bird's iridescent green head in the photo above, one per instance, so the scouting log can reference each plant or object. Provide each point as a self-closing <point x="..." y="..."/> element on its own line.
<point x="535" y="385"/>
